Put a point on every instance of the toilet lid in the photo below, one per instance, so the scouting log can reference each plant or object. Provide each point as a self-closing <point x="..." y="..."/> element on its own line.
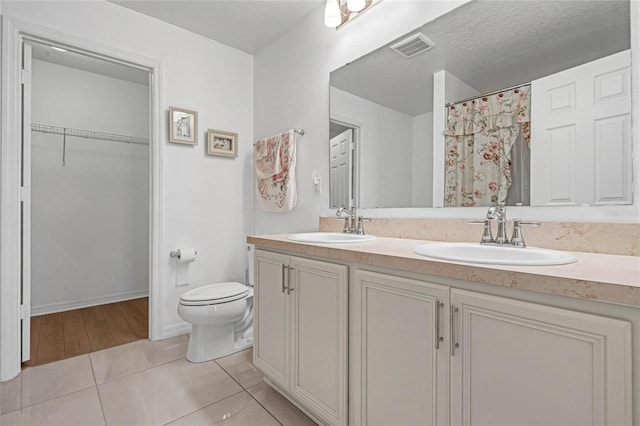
<point x="214" y="293"/>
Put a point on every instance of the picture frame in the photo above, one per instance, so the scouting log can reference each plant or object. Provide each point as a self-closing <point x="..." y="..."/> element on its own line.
<point x="222" y="143"/>
<point x="183" y="126"/>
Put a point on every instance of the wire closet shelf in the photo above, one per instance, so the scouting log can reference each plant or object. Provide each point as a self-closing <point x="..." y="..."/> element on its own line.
<point x="87" y="134"/>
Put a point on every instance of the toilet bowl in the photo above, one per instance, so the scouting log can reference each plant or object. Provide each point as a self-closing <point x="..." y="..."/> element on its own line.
<point x="221" y="317"/>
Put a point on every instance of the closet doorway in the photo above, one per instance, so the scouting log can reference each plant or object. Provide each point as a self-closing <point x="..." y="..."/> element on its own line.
<point x="88" y="162"/>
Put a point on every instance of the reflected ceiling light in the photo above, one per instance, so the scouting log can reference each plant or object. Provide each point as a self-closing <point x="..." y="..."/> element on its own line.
<point x="339" y="12"/>
<point x="59" y="49"/>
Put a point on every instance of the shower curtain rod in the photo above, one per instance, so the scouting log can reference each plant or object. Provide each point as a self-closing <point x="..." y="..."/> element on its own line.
<point x="488" y="94"/>
<point x="87" y="134"/>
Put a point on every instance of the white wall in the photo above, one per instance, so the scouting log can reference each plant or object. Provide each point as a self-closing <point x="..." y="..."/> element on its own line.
<point x="207" y="202"/>
<point x="385" y="147"/>
<point x="422" y="160"/>
<point x="292" y="90"/>
<point x="90" y="217"/>
<point x="456" y="90"/>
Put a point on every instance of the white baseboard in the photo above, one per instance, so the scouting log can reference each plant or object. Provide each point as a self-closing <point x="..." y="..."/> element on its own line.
<point x="85" y="303"/>
<point x="176" y="329"/>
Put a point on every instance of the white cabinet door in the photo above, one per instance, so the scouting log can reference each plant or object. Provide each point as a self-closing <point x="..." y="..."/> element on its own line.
<point x="581" y="134"/>
<point x="319" y="331"/>
<point x="300" y="329"/>
<point x="402" y="363"/>
<point x="521" y="363"/>
<point x="272" y="317"/>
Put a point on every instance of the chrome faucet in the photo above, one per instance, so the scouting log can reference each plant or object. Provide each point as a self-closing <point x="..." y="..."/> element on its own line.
<point x="349" y="219"/>
<point x="353" y="224"/>
<point x="499" y="213"/>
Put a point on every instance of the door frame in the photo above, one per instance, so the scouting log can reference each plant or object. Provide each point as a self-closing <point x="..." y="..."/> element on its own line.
<point x="14" y="32"/>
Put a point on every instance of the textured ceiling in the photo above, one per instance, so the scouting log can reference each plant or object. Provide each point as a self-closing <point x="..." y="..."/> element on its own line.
<point x="490" y="45"/>
<point x="247" y="25"/>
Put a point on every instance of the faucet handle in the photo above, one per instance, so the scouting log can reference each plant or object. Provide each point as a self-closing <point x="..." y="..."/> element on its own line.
<point x="360" y="230"/>
<point x="517" y="239"/>
<point x="487" y="236"/>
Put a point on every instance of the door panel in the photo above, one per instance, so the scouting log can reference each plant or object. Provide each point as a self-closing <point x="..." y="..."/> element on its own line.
<point x="581" y="134"/>
<point x="320" y="337"/>
<point x="404" y="374"/>
<point x="271" y="352"/>
<point x="529" y="364"/>
<point x="341" y="169"/>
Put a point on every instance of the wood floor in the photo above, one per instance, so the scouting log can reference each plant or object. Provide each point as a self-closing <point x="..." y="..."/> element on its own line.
<point x="72" y="333"/>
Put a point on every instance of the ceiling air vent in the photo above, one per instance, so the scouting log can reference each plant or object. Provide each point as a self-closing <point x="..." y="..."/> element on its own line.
<point x="413" y="45"/>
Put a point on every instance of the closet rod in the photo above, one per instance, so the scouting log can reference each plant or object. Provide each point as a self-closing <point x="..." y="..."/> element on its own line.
<point x="87" y="134"/>
<point x="488" y="94"/>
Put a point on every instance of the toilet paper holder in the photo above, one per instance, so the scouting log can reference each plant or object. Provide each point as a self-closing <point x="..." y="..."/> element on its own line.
<point x="176" y="254"/>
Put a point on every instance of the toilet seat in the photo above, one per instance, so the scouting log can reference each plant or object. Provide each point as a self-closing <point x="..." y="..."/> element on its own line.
<point x="214" y="294"/>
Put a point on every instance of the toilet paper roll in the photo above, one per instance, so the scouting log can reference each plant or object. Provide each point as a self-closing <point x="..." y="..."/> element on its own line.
<point x="186" y="255"/>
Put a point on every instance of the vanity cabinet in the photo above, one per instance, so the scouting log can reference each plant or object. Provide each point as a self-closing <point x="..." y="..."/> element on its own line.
<point x="526" y="363"/>
<point x="300" y="331"/>
<point x="424" y="353"/>
<point x="400" y="359"/>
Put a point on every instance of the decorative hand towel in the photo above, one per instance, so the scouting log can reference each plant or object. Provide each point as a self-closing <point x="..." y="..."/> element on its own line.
<point x="275" y="164"/>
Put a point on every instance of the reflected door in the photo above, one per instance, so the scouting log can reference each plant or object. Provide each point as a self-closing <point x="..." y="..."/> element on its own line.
<point x="341" y="169"/>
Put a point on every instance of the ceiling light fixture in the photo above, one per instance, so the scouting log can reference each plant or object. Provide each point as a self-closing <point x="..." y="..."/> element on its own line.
<point x="339" y="12"/>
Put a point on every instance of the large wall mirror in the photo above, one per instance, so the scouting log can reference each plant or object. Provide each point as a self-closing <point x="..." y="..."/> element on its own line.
<point x="389" y="111"/>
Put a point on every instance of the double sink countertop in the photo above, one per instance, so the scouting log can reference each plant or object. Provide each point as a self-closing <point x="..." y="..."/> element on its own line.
<point x="600" y="277"/>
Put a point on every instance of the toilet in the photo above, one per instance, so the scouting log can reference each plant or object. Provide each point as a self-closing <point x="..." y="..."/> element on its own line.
<point x="221" y="317"/>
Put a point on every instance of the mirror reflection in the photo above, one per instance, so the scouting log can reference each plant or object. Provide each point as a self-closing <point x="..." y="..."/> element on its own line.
<point x="405" y="131"/>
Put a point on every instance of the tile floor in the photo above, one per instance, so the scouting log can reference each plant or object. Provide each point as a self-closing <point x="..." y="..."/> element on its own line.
<point x="145" y="383"/>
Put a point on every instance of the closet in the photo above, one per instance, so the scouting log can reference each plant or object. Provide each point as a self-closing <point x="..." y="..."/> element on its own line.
<point x="89" y="184"/>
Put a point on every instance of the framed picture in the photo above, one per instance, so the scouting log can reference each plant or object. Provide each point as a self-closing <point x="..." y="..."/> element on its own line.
<point x="222" y="143"/>
<point x="183" y="126"/>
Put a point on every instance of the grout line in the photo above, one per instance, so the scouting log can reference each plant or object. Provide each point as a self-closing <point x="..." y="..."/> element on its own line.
<point x="95" y="383"/>
<point x="47" y="400"/>
<point x="245" y="389"/>
<point x="206" y="406"/>
<point x="265" y="408"/>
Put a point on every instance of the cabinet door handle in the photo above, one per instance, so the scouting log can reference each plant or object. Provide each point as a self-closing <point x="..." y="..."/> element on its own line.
<point x="284" y="268"/>
<point x="289" y="288"/>
<point x="452" y="333"/>
<point x="439" y="337"/>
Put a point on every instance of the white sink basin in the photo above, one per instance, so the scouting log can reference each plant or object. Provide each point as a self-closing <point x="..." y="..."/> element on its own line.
<point x="331" y="238"/>
<point x="497" y="255"/>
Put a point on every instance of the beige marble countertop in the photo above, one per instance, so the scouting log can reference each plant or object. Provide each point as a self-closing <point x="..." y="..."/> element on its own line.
<point x="601" y="277"/>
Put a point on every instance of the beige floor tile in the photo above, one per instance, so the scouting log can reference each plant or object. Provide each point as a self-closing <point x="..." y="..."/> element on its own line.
<point x="79" y="408"/>
<point x="237" y="410"/>
<point x="10" y="395"/>
<point x="164" y="393"/>
<point x="56" y="379"/>
<point x="240" y="367"/>
<point x="284" y="411"/>
<point x="133" y="357"/>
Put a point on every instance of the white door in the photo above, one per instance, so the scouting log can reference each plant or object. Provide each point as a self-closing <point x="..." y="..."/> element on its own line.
<point x="341" y="170"/>
<point x="522" y="363"/>
<point x="399" y="339"/>
<point x="25" y="198"/>
<point x="271" y="327"/>
<point x="581" y="134"/>
<point x="319" y="332"/>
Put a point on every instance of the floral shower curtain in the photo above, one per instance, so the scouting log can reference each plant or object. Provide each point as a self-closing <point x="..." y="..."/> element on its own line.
<point x="478" y="140"/>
